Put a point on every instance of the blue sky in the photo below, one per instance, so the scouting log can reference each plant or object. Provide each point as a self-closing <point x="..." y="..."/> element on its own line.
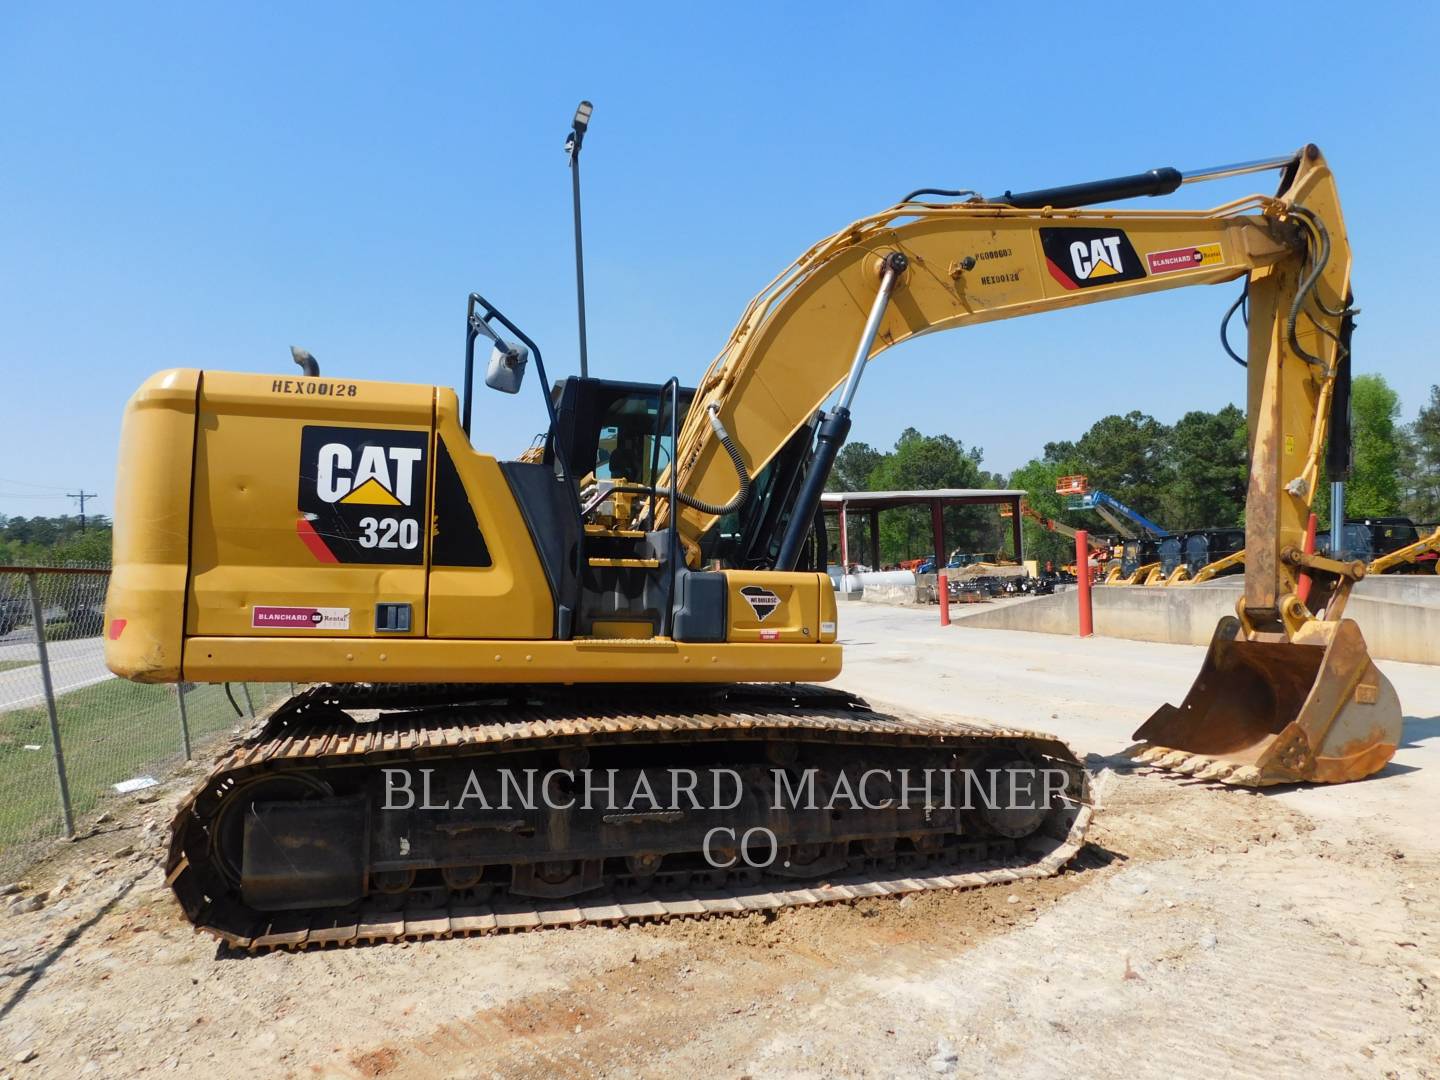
<point x="205" y="185"/>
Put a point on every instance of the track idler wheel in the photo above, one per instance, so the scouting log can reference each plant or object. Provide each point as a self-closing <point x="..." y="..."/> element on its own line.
<point x="1017" y="802"/>
<point x="288" y="843"/>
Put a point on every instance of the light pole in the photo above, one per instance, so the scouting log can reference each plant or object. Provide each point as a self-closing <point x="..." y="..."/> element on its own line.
<point x="572" y="150"/>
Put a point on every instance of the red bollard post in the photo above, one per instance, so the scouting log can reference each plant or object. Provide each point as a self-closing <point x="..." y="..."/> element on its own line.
<point x="1082" y="581"/>
<point x="942" y="586"/>
<point x="1302" y="587"/>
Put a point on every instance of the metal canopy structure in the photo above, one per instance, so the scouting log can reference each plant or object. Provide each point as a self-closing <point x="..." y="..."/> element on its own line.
<point x="870" y="503"/>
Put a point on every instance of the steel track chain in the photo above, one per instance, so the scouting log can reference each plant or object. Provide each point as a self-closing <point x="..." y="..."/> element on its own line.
<point x="310" y="733"/>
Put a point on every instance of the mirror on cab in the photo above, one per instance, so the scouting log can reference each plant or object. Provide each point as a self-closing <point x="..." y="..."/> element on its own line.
<point x="507" y="367"/>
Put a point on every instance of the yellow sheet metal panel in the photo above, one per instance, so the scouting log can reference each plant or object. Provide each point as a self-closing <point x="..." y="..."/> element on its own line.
<point x="508" y="597"/>
<point x="771" y="606"/>
<point x="145" y="605"/>
<point x="310" y="507"/>
<point x="218" y="659"/>
<point x="829" y="622"/>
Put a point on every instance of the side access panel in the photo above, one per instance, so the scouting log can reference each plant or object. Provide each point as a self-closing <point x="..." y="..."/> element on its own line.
<point x="770" y="605"/>
<point x="311" y="507"/>
<point x="486" y="579"/>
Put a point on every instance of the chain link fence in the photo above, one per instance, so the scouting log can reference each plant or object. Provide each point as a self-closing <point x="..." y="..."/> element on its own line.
<point x="73" y="736"/>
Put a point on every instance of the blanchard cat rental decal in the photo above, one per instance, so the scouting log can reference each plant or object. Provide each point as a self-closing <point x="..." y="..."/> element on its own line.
<point x="1186" y="258"/>
<point x="264" y="616"/>
<point x="362" y="494"/>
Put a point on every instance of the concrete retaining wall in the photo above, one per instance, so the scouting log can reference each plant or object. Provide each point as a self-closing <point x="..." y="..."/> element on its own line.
<point x="904" y="589"/>
<point x="1399" y="616"/>
<point x="900" y="595"/>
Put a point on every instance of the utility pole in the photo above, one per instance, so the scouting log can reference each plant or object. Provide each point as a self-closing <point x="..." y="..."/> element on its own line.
<point x="572" y="150"/>
<point x="82" y="495"/>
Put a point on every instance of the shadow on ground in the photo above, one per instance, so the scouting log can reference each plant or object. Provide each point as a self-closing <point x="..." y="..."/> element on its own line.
<point x="1419" y="729"/>
<point x="35" y="971"/>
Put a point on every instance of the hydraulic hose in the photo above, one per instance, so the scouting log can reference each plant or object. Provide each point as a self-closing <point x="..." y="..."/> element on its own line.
<point x="1307" y="290"/>
<point x="947" y="193"/>
<point x="741" y="497"/>
<point x="1225" y="323"/>
<point x="1323" y="234"/>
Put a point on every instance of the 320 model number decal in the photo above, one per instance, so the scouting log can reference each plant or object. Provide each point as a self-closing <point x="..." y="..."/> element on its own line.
<point x="389" y="533"/>
<point x="362" y="494"/>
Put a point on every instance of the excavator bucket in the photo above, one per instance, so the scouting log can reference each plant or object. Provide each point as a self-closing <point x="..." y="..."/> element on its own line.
<point x="1278" y="712"/>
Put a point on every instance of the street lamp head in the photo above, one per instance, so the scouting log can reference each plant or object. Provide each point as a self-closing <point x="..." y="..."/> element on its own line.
<point x="582" y="118"/>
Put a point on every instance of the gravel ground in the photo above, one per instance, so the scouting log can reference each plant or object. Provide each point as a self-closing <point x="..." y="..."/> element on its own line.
<point x="1204" y="932"/>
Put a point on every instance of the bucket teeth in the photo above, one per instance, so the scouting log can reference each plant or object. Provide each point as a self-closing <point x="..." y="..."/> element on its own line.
<point x="1244" y="776"/>
<point x="1207" y="768"/>
<point x="1197" y="765"/>
<point x="1200" y="766"/>
<point x="1216" y="770"/>
<point x="1192" y="765"/>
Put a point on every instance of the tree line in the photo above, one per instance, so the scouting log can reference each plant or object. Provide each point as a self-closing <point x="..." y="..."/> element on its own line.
<point x="55" y="541"/>
<point x="1188" y="475"/>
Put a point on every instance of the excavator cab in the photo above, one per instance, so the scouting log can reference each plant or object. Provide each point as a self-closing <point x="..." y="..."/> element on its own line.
<point x="614" y="430"/>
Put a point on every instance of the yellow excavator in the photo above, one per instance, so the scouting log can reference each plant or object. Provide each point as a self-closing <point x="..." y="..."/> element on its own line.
<point x="518" y="672"/>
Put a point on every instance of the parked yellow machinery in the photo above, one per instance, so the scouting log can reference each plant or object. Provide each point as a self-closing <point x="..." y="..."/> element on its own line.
<point x="1415" y="557"/>
<point x="1410" y="555"/>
